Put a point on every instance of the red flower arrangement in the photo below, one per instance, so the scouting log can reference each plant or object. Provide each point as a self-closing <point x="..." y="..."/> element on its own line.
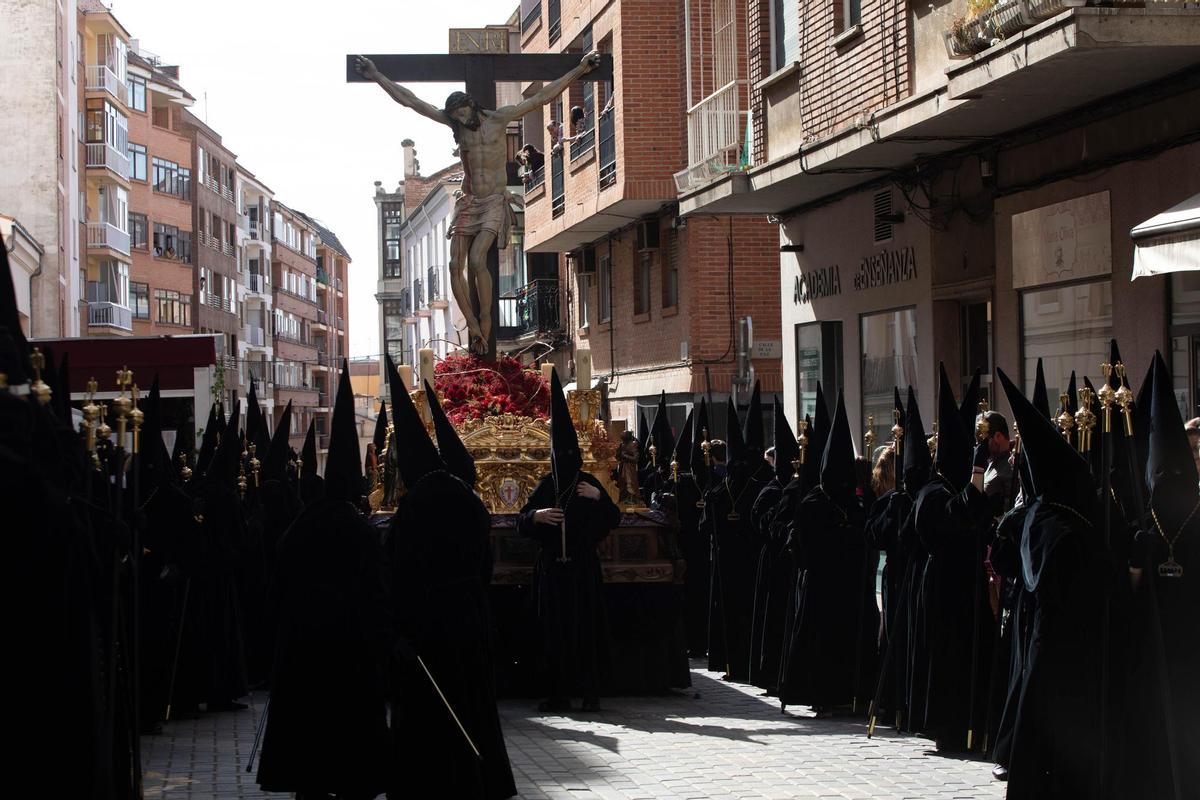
<point x="472" y="388"/>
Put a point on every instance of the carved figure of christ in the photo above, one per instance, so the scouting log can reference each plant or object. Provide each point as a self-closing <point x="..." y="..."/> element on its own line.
<point x="483" y="214"/>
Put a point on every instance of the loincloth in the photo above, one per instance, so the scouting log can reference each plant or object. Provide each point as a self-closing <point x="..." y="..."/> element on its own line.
<point x="493" y="214"/>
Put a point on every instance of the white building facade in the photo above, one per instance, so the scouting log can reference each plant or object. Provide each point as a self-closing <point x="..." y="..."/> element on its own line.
<point x="254" y="299"/>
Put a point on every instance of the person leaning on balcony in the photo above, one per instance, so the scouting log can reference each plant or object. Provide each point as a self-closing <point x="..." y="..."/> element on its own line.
<point x="577" y="116"/>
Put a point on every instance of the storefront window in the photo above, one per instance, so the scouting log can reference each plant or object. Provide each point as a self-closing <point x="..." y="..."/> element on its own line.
<point x="1069" y="328"/>
<point x="818" y="358"/>
<point x="889" y="359"/>
<point x="1185" y="341"/>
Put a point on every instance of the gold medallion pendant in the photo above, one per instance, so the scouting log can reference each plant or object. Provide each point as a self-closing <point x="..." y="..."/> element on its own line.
<point x="1170" y="568"/>
<point x="733" y="516"/>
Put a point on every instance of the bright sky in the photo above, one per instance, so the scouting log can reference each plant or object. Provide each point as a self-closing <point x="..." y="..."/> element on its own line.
<point x="269" y="76"/>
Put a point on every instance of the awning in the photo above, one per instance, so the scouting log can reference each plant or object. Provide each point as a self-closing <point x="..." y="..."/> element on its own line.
<point x="1168" y="242"/>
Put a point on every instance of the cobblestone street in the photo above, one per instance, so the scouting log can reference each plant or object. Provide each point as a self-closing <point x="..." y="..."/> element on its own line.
<point x="726" y="742"/>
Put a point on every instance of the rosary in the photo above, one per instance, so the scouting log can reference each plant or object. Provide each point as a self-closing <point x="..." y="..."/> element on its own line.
<point x="1172" y="568"/>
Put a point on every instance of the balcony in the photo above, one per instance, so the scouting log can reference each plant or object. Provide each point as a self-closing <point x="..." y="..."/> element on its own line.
<point x="419" y="303"/>
<point x="406" y="302"/>
<point x="1067" y="62"/>
<point x="102" y="155"/>
<point x="717" y="129"/>
<point x="608" y="149"/>
<point x="228" y="248"/>
<point x="338" y="284"/>
<point x="536" y="178"/>
<point x="218" y="303"/>
<point x="437" y="295"/>
<point x="322" y="276"/>
<point x="341" y="324"/>
<point x="102" y="79"/>
<point x="323" y="358"/>
<point x="530" y="310"/>
<point x="110" y="315"/>
<point x="256" y="283"/>
<point x="584" y="142"/>
<point x="107" y="235"/>
<point x="322" y="322"/>
<point x="558" y="189"/>
<point x="254" y="336"/>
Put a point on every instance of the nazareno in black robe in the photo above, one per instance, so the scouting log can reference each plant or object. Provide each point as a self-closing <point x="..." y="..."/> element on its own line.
<point x="882" y="531"/>
<point x="770" y="582"/>
<point x="439" y="546"/>
<point x="327" y="723"/>
<point x="569" y="603"/>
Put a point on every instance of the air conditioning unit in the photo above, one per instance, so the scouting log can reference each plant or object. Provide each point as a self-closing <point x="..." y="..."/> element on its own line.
<point x="647" y="234"/>
<point x="584" y="261"/>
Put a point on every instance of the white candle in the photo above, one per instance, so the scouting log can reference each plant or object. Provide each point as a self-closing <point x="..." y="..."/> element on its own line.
<point x="547" y="371"/>
<point x="425" y="364"/>
<point x="405" y="375"/>
<point x="583" y="369"/>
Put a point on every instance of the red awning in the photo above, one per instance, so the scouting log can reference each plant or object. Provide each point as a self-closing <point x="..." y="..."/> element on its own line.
<point x="172" y="358"/>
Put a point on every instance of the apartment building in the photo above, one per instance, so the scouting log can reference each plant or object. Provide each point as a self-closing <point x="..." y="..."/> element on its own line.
<point x="663" y="303"/>
<point x="160" y="159"/>
<point x="42" y="135"/>
<point x="331" y="331"/>
<point x="958" y="183"/>
<point x="294" y="288"/>
<point x="255" y="302"/>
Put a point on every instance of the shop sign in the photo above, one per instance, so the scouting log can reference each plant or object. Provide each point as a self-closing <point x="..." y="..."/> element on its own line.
<point x="1066" y="241"/>
<point x="816" y="284"/>
<point x="887" y="267"/>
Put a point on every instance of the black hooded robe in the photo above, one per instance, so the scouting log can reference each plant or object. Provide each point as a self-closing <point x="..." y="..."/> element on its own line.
<point x="569" y="603"/>
<point x="327" y="724"/>
<point x="882" y="530"/>
<point x="769" y="582"/>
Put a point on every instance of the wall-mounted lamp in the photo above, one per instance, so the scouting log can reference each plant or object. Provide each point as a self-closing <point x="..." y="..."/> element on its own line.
<point x="791" y="248"/>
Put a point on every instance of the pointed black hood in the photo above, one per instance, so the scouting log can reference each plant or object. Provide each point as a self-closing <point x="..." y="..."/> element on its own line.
<point x="62" y="389"/>
<point x="254" y="416"/>
<point x="14" y="357"/>
<point x="838" y="477"/>
<point x="643" y="437"/>
<point x="660" y="435"/>
<point x="224" y="466"/>
<point x="275" y="460"/>
<point x="1041" y="396"/>
<point x="153" y="458"/>
<point x="918" y="463"/>
<point x="1058" y="472"/>
<point x="565" y="459"/>
<point x="752" y="432"/>
<point x="1072" y="394"/>
<point x="969" y="408"/>
<point x="682" y="453"/>
<point x="786" y="448"/>
<point x="458" y="459"/>
<point x="343" y="462"/>
<point x="699" y="434"/>
<point x="308" y="452"/>
<point x="1170" y="467"/>
<point x="416" y="456"/>
<point x="818" y="432"/>
<point x="208" y="441"/>
<point x="735" y="445"/>
<point x="897" y="403"/>
<point x="379" y="439"/>
<point x="955" y="439"/>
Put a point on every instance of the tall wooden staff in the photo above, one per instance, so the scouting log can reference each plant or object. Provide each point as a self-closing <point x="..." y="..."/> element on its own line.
<point x="982" y="431"/>
<point x="868" y="447"/>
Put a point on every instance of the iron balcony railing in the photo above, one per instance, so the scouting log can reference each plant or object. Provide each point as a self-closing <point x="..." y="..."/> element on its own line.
<point x="101" y="78"/>
<point x="558" y="199"/>
<point x="536" y="178"/>
<point x="341" y="324"/>
<point x="418" y="294"/>
<point x="322" y="317"/>
<point x="531" y="309"/>
<point x="105" y="234"/>
<point x="608" y="149"/>
<point x="254" y="336"/>
<point x="433" y="286"/>
<point x="322" y="276"/>
<point x="219" y="303"/>
<point x="110" y="315"/>
<point x="585" y="140"/>
<point x="102" y="154"/>
<point x="256" y="283"/>
<point x="323" y="358"/>
<point x="406" y="301"/>
<point x="227" y="248"/>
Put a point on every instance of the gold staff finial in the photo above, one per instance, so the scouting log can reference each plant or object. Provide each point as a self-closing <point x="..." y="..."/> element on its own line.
<point x="1065" y="420"/>
<point x="705" y="447"/>
<point x="136" y="417"/>
<point x="1085" y="420"/>
<point x="983" y="428"/>
<point x="39" y="388"/>
<point x="932" y="441"/>
<point x="185" y="472"/>
<point x="802" y="440"/>
<point x="1107" y="395"/>
<point x="255" y="464"/>
<point x="869" y="436"/>
<point x="1124" y="397"/>
<point x="122" y="404"/>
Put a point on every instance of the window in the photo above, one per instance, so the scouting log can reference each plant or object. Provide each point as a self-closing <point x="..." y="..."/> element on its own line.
<point x="670" y="272"/>
<point x="393" y="330"/>
<point x="170" y="178"/>
<point x="818" y="358"/>
<point x="1185" y="340"/>
<point x="1065" y="326"/>
<point x="172" y="308"/>
<point x="160" y="115"/>
<point x="393" y="216"/>
<point x="641" y="284"/>
<point x="851" y="16"/>
<point x="139" y="232"/>
<point x="584" y="283"/>
<point x="170" y="242"/>
<point x="889" y="359"/>
<point x="137" y="93"/>
<point x="786" y="47"/>
<point x="139" y="300"/>
<point x="137" y="162"/>
<point x="604" y="278"/>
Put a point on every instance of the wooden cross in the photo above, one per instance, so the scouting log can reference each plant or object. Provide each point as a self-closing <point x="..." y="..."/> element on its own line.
<point x="480" y="72"/>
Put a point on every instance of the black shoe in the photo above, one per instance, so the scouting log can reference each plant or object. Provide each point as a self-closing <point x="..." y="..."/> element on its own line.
<point x="1000" y="773"/>
<point x="590" y="704"/>
<point x="229" y="705"/>
<point x="553" y="705"/>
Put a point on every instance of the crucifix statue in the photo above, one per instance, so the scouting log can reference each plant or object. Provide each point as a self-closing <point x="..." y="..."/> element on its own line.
<point x="483" y="214"/>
